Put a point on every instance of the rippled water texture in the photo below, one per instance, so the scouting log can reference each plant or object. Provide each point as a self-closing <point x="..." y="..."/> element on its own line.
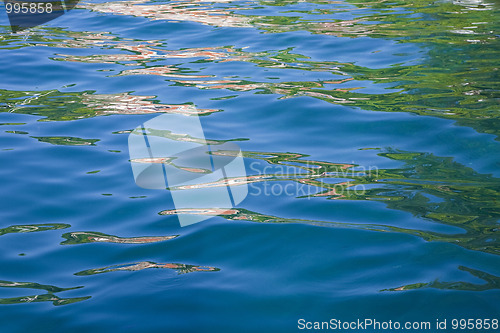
<point x="370" y="132"/>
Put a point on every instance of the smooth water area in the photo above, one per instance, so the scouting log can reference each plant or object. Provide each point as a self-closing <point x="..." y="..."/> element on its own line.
<point x="376" y="124"/>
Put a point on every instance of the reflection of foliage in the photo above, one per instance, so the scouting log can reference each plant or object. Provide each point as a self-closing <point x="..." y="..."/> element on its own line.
<point x="185" y="137"/>
<point x="471" y="98"/>
<point x="98" y="237"/>
<point x="492" y="282"/>
<point x="56" y="105"/>
<point x="58" y="37"/>
<point x="66" y="140"/>
<point x="33" y="228"/>
<point x="17" y="132"/>
<point x="173" y="10"/>
<point x="457" y="78"/>
<point x="465" y="198"/>
<point x="60" y="140"/>
<point x="52" y="104"/>
<point x="415" y="21"/>
<point x="56" y="300"/>
<point x="33" y="285"/>
<point x="241" y="214"/>
<point x="49" y="297"/>
<point x="465" y="90"/>
<point x="180" y="268"/>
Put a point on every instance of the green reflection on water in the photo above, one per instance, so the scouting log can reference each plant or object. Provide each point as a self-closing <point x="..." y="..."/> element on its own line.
<point x="56" y="300"/>
<point x="49" y="297"/>
<point x="33" y="228"/>
<point x="180" y="268"/>
<point x="66" y="140"/>
<point x="430" y="187"/>
<point x="456" y="76"/>
<point x="83" y="237"/>
<point x="492" y="282"/>
<point x="63" y="106"/>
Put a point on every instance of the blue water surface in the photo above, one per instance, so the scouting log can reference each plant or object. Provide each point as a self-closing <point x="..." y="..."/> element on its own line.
<point x="396" y="103"/>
